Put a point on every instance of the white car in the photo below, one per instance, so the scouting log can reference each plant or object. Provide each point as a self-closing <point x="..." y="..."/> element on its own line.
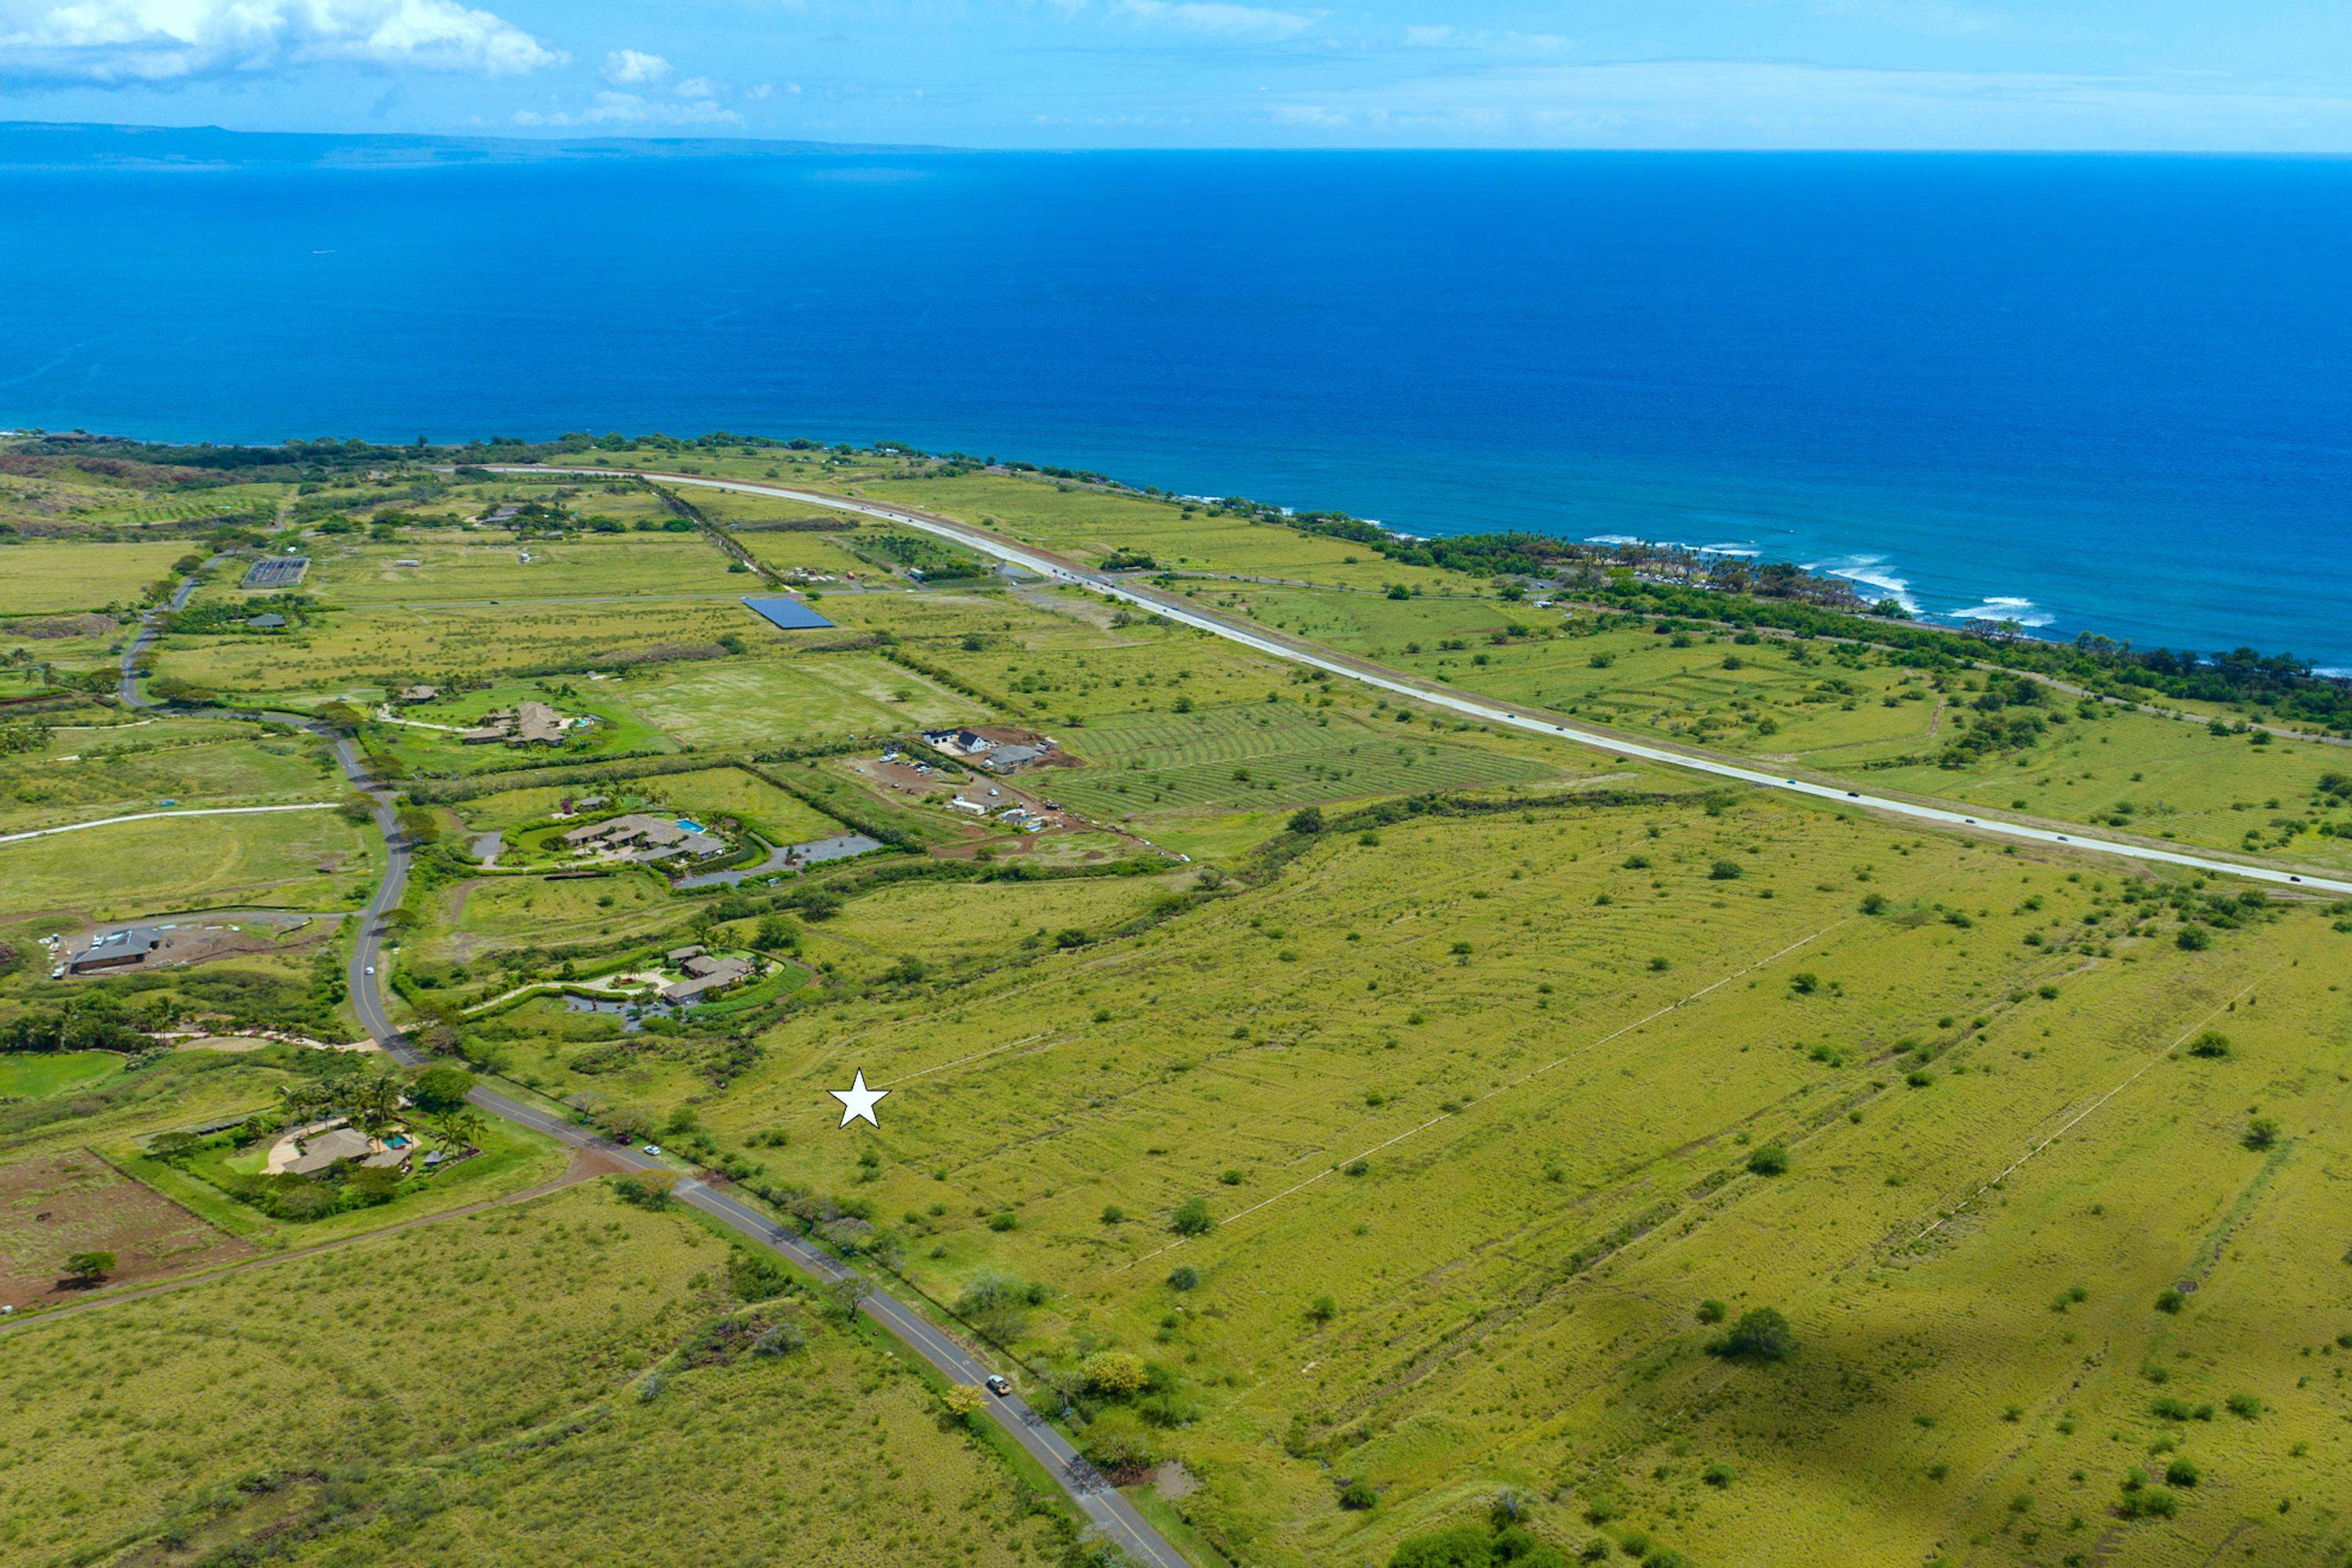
<point x="370" y="969"/>
<point x="58" y="972"/>
<point x="654" y="1149"/>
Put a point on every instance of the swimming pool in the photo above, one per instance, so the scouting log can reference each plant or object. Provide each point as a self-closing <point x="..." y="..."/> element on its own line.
<point x="689" y="825"/>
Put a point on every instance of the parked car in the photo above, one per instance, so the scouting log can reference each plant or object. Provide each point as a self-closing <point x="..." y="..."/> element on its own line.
<point x="654" y="1150"/>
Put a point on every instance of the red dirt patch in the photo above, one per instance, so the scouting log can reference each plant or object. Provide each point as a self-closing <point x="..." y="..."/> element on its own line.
<point x="74" y="1202"/>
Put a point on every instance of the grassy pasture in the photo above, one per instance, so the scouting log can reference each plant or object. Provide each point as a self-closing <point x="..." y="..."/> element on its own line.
<point x="475" y="565"/>
<point x="358" y="652"/>
<point x="1853" y="714"/>
<point x="773" y="703"/>
<point x="1266" y="756"/>
<point x="85" y="773"/>
<point x="292" y="859"/>
<point x="479" y="1388"/>
<point x="1531" y="1121"/>
<point x="490" y="914"/>
<point x="46" y="577"/>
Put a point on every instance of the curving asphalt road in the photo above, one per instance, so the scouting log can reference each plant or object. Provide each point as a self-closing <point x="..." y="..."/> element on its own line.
<point x="1111" y="1515"/>
<point x="1482" y="709"/>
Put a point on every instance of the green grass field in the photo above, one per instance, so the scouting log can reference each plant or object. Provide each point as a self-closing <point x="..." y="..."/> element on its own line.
<point x="1421" y="1150"/>
<point x="1268" y="755"/>
<point x="575" y="1418"/>
<point x="55" y="576"/>
<point x="775" y="703"/>
<point x="63" y="1072"/>
<point x="84" y="774"/>
<point x="293" y="860"/>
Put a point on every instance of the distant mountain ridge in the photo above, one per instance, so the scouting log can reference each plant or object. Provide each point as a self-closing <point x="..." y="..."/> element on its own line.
<point x="52" y="144"/>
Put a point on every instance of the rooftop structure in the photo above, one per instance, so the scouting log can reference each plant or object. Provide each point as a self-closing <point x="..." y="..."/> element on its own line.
<point x="526" y="723"/>
<point x="416" y="694"/>
<point x="706" y="976"/>
<point x="119" y="950"/>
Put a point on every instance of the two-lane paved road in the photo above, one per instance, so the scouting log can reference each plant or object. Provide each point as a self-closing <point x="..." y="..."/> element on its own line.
<point x="1485" y="709"/>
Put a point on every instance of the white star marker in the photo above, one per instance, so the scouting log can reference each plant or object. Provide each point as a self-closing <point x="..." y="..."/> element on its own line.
<point x="857" y="1101"/>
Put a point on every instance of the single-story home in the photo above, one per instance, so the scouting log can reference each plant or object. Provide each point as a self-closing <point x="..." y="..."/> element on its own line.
<point x="706" y="976"/>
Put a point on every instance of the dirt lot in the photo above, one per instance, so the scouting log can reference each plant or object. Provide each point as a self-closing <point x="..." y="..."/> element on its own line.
<point x="76" y="1201"/>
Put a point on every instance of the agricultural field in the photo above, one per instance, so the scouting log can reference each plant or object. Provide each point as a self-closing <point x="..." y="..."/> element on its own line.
<point x="357" y="654"/>
<point x="454" y="567"/>
<point x="472" y="1385"/>
<point x="286" y="861"/>
<point x="54" y="1207"/>
<point x="53" y="578"/>
<point x="777" y="703"/>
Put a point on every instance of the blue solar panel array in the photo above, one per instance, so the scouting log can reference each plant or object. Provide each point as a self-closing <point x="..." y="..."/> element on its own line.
<point x="788" y="613"/>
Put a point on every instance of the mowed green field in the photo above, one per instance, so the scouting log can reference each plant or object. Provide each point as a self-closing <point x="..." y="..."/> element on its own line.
<point x="280" y="859"/>
<point x="774" y="703"/>
<point x="1267" y="754"/>
<point x="1553" y="1098"/>
<point x="54" y="576"/>
<point x="569" y="1424"/>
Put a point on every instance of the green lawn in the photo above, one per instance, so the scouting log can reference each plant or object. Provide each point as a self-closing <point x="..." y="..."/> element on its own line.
<point x="63" y="1072"/>
<point x="774" y="703"/>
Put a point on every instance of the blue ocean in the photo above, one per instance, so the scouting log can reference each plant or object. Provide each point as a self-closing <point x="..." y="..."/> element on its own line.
<point x="2089" y="392"/>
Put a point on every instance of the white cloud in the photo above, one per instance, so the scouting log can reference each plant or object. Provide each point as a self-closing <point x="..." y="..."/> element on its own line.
<point x="110" y="42"/>
<point x="634" y="68"/>
<point x="697" y="87"/>
<point x="610" y="109"/>
<point x="1217" y="18"/>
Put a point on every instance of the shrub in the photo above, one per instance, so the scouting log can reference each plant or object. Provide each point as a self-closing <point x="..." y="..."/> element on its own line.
<point x="1323" y="1309"/>
<point x="1117" y="1439"/>
<point x="1193" y="1218"/>
<point x="1726" y="871"/>
<point x="2262" y="1133"/>
<point x="1358" y="1495"/>
<point x="2180" y="1473"/>
<point x="1712" y="1311"/>
<point x="1115" y="1375"/>
<point x="2245" y="1407"/>
<point x="1183" y="1278"/>
<point x="1771" y="1160"/>
<point x="2212" y="1043"/>
<point x="2170" y="1300"/>
<point x="1718" y="1475"/>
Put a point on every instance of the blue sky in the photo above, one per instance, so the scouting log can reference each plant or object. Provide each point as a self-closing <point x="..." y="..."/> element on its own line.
<point x="2237" y="75"/>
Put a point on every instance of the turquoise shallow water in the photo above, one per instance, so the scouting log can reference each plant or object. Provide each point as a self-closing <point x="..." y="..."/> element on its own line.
<point x="2110" y="393"/>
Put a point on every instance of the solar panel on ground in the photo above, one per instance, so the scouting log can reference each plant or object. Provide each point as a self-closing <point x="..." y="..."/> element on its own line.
<point x="788" y="613"/>
<point x="276" y="571"/>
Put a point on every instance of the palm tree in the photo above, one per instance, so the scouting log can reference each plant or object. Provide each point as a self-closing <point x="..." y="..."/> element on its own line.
<point x="459" y="1128"/>
<point x="375" y="1104"/>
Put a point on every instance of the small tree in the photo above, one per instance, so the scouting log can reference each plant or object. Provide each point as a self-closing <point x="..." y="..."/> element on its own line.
<point x="439" y="1090"/>
<point x="2262" y="1133"/>
<point x="1193" y="1218"/>
<point x="1770" y="1160"/>
<point x="1306" y="819"/>
<point x="89" y="1267"/>
<point x="1762" y="1334"/>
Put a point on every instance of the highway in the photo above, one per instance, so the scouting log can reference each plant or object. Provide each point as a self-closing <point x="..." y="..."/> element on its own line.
<point x="1484" y="710"/>
<point x="1112" y="1515"/>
